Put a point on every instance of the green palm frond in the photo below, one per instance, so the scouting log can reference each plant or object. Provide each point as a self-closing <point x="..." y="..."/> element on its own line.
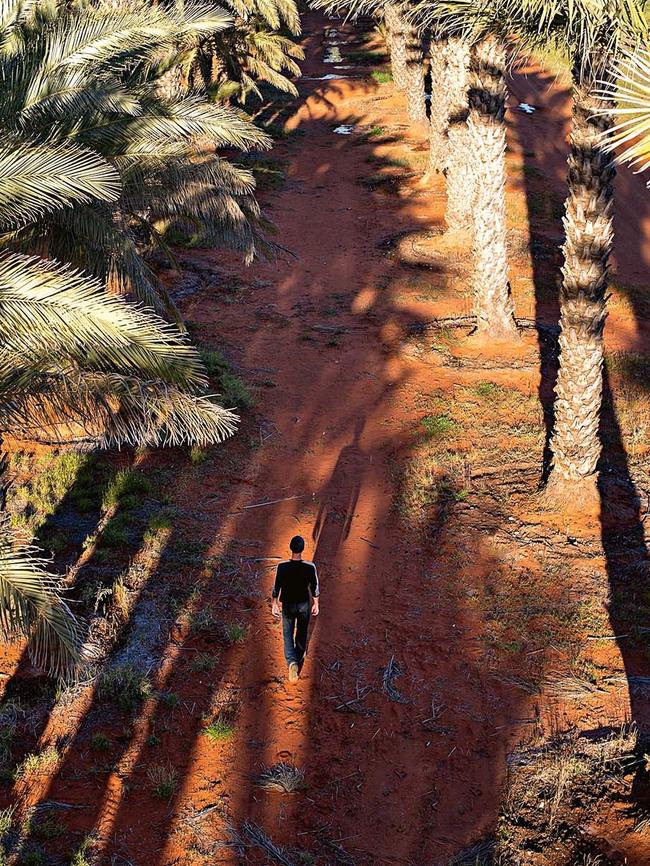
<point x="630" y="91"/>
<point x="31" y="606"/>
<point x="173" y="129"/>
<point x="103" y="246"/>
<point x="12" y="12"/>
<point x="65" y="403"/>
<point x="38" y="178"/>
<point x="50" y="309"/>
<point x="102" y="35"/>
<point x="198" y="18"/>
<point x="591" y="30"/>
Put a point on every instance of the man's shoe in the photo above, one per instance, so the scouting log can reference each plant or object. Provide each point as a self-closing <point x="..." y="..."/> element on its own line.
<point x="293" y="672"/>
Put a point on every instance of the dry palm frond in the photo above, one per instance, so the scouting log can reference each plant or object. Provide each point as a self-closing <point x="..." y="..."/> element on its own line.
<point x="282" y="777"/>
<point x="110" y="409"/>
<point x="258" y="837"/>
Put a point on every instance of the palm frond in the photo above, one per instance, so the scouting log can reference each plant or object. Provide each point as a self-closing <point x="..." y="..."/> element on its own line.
<point x="50" y="309"/>
<point x="629" y="88"/>
<point x="38" y="178"/>
<point x="67" y="403"/>
<point x="31" y="606"/>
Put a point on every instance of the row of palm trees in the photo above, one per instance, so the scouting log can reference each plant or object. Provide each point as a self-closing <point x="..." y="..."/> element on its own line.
<point x="113" y="117"/>
<point x="471" y="44"/>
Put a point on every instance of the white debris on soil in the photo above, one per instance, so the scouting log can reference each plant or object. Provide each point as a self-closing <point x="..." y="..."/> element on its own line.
<point x="526" y="108"/>
<point x="344" y="129"/>
<point x="328" y="77"/>
<point x="333" y="55"/>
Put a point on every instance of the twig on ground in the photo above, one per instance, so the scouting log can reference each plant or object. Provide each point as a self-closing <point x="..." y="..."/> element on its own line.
<point x="391" y="673"/>
<point x="271" y="502"/>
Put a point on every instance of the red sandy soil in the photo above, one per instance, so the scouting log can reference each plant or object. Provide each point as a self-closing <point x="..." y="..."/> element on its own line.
<point x="382" y="785"/>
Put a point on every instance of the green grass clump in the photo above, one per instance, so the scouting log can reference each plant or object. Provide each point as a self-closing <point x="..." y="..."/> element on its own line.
<point x="382" y="77"/>
<point x="116" y="532"/>
<point x="100" y="742"/>
<point x="233" y="391"/>
<point x="438" y="426"/>
<point x="81" y="856"/>
<point x="203" y="662"/>
<point x="366" y="56"/>
<point x="486" y="389"/>
<point x="126" y="489"/>
<point x="235" y="632"/>
<point x="125" y="686"/>
<point x="198" y="454"/>
<point x="38" y="763"/>
<point x="220" y="728"/>
<point x="170" y="699"/>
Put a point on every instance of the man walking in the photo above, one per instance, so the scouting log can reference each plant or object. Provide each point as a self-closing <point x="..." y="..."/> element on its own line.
<point x="295" y="581"/>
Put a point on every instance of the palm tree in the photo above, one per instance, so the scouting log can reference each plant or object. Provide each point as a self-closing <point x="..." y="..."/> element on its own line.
<point x="407" y="59"/>
<point x="593" y="33"/>
<point x="74" y="360"/>
<point x="476" y="88"/>
<point x="91" y="76"/>
<point x="396" y="30"/>
<point x="493" y="305"/>
<point x="438" y="106"/>
<point x="258" y="48"/>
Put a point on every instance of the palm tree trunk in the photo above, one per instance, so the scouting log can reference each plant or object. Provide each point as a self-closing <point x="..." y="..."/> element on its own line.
<point x="416" y="106"/>
<point x="589" y="232"/>
<point x="396" y="29"/>
<point x="493" y="305"/>
<point x="460" y="185"/>
<point x="438" y="108"/>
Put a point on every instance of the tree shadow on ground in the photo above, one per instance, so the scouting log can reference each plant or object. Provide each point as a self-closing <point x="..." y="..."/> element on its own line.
<point x="543" y="143"/>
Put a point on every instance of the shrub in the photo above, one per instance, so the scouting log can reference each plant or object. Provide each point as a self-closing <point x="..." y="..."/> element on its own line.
<point x="382" y="77"/>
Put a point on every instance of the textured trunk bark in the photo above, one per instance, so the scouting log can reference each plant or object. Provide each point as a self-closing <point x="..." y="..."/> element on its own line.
<point x="396" y="29"/>
<point x="416" y="106"/>
<point x="493" y="305"/>
<point x="438" y="108"/>
<point x="460" y="186"/>
<point x="589" y="232"/>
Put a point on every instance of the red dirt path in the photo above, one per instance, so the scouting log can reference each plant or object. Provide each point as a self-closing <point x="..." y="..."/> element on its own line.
<point x="327" y="329"/>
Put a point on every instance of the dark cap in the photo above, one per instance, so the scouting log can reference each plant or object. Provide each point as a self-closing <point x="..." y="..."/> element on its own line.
<point x="297" y="544"/>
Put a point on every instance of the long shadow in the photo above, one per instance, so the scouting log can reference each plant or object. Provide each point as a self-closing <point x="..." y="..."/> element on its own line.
<point x="386" y="780"/>
<point x="543" y="142"/>
<point x="628" y="568"/>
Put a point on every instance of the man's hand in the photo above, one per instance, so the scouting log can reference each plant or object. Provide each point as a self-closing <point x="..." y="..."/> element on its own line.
<point x="314" y="607"/>
<point x="275" y="607"/>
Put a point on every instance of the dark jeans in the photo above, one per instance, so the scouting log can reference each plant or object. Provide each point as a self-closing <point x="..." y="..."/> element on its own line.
<point x="295" y="622"/>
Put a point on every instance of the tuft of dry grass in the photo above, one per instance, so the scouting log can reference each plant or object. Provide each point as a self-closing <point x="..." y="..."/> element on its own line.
<point x="282" y="777"/>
